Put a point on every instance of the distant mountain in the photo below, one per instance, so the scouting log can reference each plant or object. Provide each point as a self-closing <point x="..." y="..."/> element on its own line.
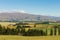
<point x="19" y="16"/>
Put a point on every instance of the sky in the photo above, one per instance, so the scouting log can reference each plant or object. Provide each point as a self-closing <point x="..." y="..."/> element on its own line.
<point x="38" y="7"/>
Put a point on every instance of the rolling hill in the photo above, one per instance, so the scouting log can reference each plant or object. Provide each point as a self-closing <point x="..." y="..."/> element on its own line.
<point x="18" y="16"/>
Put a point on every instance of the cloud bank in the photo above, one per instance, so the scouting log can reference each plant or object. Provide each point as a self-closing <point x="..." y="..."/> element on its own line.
<point x="10" y="11"/>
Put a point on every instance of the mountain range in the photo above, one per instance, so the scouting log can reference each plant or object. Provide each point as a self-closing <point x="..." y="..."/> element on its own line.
<point x="19" y="16"/>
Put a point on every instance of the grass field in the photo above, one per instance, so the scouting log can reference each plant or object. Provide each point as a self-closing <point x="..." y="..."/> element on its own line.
<point x="30" y="24"/>
<point x="6" y="23"/>
<point x="9" y="37"/>
<point x="15" y="37"/>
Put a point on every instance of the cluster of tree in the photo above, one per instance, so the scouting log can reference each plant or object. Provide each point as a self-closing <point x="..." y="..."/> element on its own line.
<point x="20" y="30"/>
<point x="7" y="31"/>
<point x="34" y="32"/>
<point x="30" y="32"/>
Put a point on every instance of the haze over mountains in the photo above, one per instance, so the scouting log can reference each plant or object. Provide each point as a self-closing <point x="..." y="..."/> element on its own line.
<point x="20" y="16"/>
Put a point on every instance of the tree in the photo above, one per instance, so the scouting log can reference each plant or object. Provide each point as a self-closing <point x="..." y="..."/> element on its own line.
<point x="22" y="31"/>
<point x="34" y="25"/>
<point x="46" y="31"/>
<point x="14" y="32"/>
<point x="0" y="29"/>
<point x="18" y="28"/>
<point x="58" y="29"/>
<point x="51" y="32"/>
<point x="35" y="32"/>
<point x="8" y="31"/>
<point x="55" y="27"/>
<point x="3" y="30"/>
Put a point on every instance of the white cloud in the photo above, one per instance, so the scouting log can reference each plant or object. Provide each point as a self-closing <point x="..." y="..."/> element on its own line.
<point x="19" y="11"/>
<point x="9" y="11"/>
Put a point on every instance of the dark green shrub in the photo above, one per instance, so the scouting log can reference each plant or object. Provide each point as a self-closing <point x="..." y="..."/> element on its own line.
<point x="35" y="32"/>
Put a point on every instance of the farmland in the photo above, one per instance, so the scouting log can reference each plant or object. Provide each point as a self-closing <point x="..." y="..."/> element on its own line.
<point x="9" y="37"/>
<point x="38" y="26"/>
<point x="29" y="24"/>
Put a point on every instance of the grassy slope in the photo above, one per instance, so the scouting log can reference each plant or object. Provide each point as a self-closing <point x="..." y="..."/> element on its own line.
<point x="5" y="37"/>
<point x="30" y="24"/>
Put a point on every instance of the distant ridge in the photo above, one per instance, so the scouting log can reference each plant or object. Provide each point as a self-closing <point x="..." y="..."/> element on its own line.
<point x="19" y="16"/>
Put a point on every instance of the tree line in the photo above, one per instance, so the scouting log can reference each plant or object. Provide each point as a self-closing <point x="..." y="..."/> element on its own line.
<point x="20" y="30"/>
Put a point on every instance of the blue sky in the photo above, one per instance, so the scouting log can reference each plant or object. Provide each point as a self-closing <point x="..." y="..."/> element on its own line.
<point x="39" y="7"/>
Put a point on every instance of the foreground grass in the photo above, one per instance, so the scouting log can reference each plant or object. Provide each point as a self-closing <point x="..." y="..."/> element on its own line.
<point x="9" y="37"/>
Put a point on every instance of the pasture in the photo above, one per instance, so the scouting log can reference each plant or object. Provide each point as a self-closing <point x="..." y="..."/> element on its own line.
<point x="38" y="26"/>
<point x="5" y="24"/>
<point x="10" y="37"/>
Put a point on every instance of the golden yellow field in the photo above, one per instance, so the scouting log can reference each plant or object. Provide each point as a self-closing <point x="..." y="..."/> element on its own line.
<point x="6" y="23"/>
<point x="30" y="24"/>
<point x="9" y="37"/>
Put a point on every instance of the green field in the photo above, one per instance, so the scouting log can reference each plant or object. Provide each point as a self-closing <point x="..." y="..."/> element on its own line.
<point x="9" y="37"/>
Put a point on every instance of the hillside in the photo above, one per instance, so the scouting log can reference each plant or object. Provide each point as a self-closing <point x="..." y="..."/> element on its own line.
<point x="18" y="16"/>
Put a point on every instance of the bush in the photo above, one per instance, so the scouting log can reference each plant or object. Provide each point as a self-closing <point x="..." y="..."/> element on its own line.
<point x="35" y="32"/>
